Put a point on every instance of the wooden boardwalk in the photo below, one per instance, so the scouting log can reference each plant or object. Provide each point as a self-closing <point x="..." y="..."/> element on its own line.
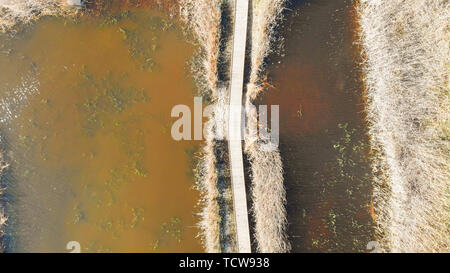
<point x="235" y="123"/>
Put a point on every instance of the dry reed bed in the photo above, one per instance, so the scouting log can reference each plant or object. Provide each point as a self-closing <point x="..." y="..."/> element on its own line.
<point x="14" y="12"/>
<point x="217" y="223"/>
<point x="406" y="49"/>
<point x="268" y="192"/>
<point x="204" y="20"/>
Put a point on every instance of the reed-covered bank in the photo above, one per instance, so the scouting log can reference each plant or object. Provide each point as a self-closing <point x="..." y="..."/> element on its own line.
<point x="210" y="22"/>
<point x="266" y="166"/>
<point x="406" y="49"/>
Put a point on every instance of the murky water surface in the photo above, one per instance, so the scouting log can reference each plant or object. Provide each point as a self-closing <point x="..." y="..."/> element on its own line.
<point x="85" y="120"/>
<point x="322" y="136"/>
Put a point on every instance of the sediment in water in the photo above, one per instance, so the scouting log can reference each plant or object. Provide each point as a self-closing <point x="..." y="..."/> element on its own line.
<point x="315" y="81"/>
<point x="405" y="46"/>
<point x="85" y="26"/>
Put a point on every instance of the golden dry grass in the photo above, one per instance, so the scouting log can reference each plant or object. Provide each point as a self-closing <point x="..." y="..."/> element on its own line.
<point x="268" y="192"/>
<point x="14" y="12"/>
<point x="406" y="49"/>
<point x="207" y="185"/>
<point x="203" y="18"/>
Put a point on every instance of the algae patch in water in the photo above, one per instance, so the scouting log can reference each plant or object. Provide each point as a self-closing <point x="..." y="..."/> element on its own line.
<point x="110" y="96"/>
<point x="345" y="196"/>
<point x="140" y="33"/>
<point x="89" y="147"/>
<point x="171" y="230"/>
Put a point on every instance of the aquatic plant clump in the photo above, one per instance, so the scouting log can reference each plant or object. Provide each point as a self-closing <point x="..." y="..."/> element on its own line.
<point x="406" y="50"/>
<point x="266" y="166"/>
<point x="346" y="223"/>
<point x="14" y="12"/>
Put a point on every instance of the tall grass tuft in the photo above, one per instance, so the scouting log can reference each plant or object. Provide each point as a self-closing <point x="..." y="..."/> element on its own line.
<point x="406" y="49"/>
<point x="204" y="18"/>
<point x="265" y="16"/>
<point x="268" y="192"/>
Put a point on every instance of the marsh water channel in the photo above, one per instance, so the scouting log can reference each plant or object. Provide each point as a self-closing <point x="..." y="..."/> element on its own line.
<point x="85" y="123"/>
<point x="323" y="141"/>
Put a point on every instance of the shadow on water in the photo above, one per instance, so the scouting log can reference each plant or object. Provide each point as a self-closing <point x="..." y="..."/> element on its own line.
<point x="322" y="135"/>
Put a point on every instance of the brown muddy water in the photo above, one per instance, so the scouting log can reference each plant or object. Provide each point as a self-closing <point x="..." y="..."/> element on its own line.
<point x="323" y="144"/>
<point x="85" y="123"/>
